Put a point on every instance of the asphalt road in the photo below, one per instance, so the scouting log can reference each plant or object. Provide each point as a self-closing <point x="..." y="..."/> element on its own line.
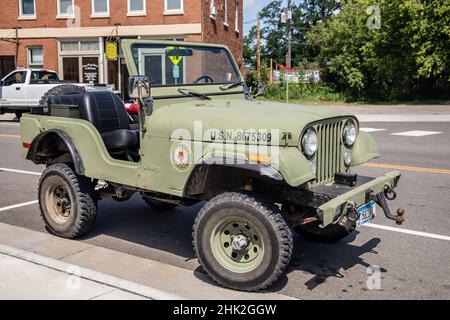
<point x="411" y="265"/>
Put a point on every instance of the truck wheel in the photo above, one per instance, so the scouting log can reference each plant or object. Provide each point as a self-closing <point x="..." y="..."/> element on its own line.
<point x="313" y="232"/>
<point x="157" y="204"/>
<point x="241" y="242"/>
<point x="67" y="202"/>
<point x="62" y="89"/>
<point x="19" y="114"/>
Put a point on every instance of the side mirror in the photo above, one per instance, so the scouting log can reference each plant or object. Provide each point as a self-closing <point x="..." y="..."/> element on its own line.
<point x="1" y="83"/>
<point x="139" y="87"/>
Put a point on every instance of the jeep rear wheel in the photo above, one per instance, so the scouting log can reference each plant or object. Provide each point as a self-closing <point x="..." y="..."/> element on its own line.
<point x="242" y="242"/>
<point x="67" y="202"/>
<point x="313" y="232"/>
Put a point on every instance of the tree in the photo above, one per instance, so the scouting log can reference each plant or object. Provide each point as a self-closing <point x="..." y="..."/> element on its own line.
<point x="407" y="56"/>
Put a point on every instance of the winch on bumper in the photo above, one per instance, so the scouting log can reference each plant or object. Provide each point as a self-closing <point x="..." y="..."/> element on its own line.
<point x="338" y="202"/>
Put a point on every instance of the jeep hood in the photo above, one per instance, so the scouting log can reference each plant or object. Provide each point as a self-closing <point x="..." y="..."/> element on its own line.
<point x="244" y="115"/>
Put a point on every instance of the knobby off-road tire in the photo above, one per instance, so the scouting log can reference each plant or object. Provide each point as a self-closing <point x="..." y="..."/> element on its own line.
<point x="267" y="252"/>
<point x="157" y="204"/>
<point x="62" y="89"/>
<point x="67" y="201"/>
<point x="313" y="232"/>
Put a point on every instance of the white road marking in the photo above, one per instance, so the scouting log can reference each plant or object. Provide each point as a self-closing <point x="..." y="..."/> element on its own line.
<point x="416" y="133"/>
<point x="403" y="117"/>
<point x="406" y="231"/>
<point x="371" y="130"/>
<point x="21" y="171"/>
<point x="89" y="274"/>
<point x="18" y="205"/>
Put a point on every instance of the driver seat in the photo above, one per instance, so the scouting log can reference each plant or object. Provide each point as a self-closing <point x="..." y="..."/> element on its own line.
<point x="107" y="113"/>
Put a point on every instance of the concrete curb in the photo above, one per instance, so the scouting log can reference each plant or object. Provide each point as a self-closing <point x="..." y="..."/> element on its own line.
<point x="89" y="274"/>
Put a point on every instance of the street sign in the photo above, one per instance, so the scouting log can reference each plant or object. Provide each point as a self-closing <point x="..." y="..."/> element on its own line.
<point x="111" y="51"/>
<point x="175" y="60"/>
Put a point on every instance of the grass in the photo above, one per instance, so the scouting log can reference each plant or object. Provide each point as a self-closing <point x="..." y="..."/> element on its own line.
<point x="322" y="94"/>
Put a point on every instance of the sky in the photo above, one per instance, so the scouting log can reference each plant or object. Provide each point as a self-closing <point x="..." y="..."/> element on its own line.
<point x="251" y="8"/>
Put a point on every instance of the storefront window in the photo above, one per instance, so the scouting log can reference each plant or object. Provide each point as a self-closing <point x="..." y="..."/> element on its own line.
<point x="71" y="70"/>
<point x="70" y="46"/>
<point x="89" y="46"/>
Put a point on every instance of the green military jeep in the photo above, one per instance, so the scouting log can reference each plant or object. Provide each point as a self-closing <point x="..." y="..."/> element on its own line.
<point x="263" y="168"/>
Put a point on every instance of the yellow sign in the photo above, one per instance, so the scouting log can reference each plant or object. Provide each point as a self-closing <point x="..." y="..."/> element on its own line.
<point x="111" y="51"/>
<point x="175" y="60"/>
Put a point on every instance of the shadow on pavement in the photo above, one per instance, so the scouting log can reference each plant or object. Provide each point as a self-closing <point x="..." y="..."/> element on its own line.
<point x="136" y="222"/>
<point x="170" y="231"/>
<point x="323" y="261"/>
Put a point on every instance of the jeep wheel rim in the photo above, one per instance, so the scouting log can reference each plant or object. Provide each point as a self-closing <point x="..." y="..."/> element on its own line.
<point x="58" y="201"/>
<point x="237" y="245"/>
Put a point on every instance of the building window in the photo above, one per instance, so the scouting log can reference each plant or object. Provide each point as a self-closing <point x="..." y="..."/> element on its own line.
<point x="136" y="8"/>
<point x="27" y="9"/>
<point x="35" y="57"/>
<point x="173" y="7"/>
<point x="79" y="61"/>
<point x="225" y="12"/>
<point x="236" y="17"/>
<point x="100" y="8"/>
<point x="65" y="8"/>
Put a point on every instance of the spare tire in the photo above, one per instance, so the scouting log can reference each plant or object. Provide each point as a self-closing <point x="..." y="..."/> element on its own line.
<point x="59" y="90"/>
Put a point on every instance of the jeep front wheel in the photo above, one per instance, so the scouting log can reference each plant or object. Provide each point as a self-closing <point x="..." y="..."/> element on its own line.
<point x="67" y="202"/>
<point x="242" y="242"/>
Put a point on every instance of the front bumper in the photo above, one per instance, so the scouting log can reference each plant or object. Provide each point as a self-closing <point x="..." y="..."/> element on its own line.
<point x="345" y="199"/>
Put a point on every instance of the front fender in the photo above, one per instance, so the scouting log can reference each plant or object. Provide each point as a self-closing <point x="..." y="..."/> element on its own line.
<point x="364" y="149"/>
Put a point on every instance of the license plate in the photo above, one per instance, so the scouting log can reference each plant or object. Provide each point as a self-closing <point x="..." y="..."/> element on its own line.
<point x="366" y="213"/>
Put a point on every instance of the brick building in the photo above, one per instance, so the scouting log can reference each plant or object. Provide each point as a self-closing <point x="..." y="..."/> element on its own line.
<point x="70" y="35"/>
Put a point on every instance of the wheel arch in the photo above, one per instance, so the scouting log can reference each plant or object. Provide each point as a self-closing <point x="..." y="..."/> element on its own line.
<point x="217" y="176"/>
<point x="54" y="144"/>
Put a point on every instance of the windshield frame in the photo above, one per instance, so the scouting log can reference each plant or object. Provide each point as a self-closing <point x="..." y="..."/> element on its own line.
<point x="127" y="48"/>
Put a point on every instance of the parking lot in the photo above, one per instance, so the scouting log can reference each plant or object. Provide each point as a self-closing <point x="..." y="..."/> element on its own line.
<point x="413" y="259"/>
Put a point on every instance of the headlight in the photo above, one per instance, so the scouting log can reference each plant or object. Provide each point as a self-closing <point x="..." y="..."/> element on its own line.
<point x="309" y="142"/>
<point x="350" y="133"/>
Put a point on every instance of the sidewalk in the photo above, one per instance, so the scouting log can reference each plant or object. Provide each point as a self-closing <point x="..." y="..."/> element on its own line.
<point x="20" y="279"/>
<point x="35" y="265"/>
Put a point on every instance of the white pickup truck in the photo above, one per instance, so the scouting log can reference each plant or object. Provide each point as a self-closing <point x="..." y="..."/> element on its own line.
<point x="25" y="89"/>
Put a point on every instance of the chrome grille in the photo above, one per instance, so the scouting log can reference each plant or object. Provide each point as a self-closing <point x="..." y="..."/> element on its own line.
<point x="329" y="154"/>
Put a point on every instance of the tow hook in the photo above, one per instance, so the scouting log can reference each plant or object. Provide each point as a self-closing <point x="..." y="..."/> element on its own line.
<point x="380" y="199"/>
<point x="390" y="193"/>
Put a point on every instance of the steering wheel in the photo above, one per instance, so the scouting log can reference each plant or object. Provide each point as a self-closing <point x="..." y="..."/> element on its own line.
<point x="207" y="79"/>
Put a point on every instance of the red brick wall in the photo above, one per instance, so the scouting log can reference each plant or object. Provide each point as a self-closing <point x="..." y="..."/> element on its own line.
<point x="50" y="47"/>
<point x="214" y="30"/>
<point x="46" y="12"/>
<point x="7" y="48"/>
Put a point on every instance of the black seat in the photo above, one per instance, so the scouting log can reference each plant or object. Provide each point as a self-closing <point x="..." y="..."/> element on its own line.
<point x="107" y="113"/>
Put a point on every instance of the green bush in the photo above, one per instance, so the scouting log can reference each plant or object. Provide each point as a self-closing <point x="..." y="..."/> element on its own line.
<point x="304" y="92"/>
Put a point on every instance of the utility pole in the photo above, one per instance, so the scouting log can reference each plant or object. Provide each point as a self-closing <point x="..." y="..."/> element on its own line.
<point x="258" y="48"/>
<point x="289" y="27"/>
